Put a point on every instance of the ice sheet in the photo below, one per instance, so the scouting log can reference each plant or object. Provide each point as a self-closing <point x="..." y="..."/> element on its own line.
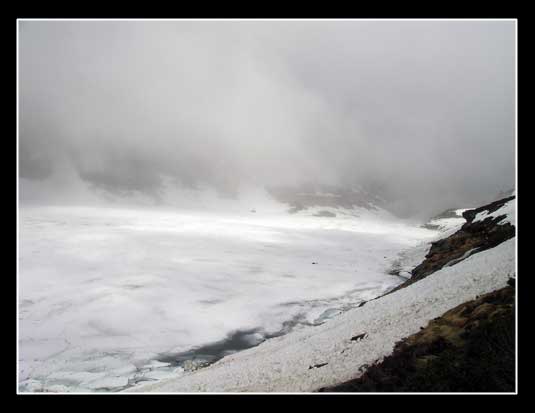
<point x="285" y="364"/>
<point x="105" y="292"/>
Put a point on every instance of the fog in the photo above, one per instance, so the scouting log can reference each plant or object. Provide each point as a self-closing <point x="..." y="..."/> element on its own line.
<point x="420" y="112"/>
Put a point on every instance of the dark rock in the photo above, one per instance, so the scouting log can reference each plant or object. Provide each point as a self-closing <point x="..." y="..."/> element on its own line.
<point x="470" y="214"/>
<point x="364" y="367"/>
<point x="358" y="337"/>
<point x="317" y="366"/>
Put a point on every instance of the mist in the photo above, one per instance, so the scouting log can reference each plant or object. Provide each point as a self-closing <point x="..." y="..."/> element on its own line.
<point x="421" y="113"/>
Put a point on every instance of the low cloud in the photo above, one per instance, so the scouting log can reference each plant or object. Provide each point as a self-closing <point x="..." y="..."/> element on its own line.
<point x="421" y="112"/>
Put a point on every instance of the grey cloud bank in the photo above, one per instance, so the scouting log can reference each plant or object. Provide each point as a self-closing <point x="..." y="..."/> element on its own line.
<point x="421" y="112"/>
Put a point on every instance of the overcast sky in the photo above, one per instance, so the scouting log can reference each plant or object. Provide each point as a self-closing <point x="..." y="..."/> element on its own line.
<point x="420" y="111"/>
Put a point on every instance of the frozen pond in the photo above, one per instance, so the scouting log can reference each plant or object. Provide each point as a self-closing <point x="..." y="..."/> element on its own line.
<point x="108" y="296"/>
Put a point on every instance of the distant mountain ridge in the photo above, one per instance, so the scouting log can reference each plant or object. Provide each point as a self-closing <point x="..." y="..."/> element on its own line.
<point x="319" y="195"/>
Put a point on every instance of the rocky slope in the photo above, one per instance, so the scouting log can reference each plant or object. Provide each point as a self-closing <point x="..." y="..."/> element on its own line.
<point x="470" y="348"/>
<point x="474" y="236"/>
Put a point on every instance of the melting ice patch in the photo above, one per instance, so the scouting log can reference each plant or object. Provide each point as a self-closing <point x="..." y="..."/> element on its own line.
<point x="105" y="293"/>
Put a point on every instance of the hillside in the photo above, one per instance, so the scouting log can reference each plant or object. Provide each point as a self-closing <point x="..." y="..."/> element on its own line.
<point x="470" y="348"/>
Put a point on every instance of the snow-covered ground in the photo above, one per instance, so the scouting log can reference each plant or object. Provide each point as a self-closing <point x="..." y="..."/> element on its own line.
<point x="105" y="293"/>
<point x="287" y="363"/>
<point x="508" y="209"/>
<point x="446" y="224"/>
<point x="408" y="259"/>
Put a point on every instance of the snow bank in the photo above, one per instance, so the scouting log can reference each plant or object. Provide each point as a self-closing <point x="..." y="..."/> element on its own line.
<point x="285" y="364"/>
<point x="508" y="209"/>
<point x="447" y="224"/>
